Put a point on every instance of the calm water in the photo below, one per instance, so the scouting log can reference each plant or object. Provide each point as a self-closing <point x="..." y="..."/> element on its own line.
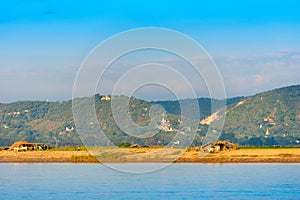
<point x="179" y="181"/>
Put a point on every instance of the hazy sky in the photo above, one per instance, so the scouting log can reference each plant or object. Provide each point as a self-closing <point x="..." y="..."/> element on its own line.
<point x="254" y="43"/>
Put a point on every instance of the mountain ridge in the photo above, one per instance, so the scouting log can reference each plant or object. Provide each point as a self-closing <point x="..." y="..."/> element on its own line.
<point x="53" y="121"/>
<point x="264" y="119"/>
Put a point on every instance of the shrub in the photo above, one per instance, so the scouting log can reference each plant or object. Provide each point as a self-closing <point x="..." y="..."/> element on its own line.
<point x="124" y="145"/>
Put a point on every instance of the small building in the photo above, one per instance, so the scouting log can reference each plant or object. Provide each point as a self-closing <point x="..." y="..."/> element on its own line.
<point x="208" y="148"/>
<point x="20" y="146"/>
<point x="13" y="113"/>
<point x="219" y="146"/>
<point x="135" y="146"/>
<point x="70" y="129"/>
<point x="5" y="126"/>
<point x="271" y="121"/>
<point x="267" y="132"/>
<point x="105" y="98"/>
<point x="224" y="145"/>
<point x="28" y="146"/>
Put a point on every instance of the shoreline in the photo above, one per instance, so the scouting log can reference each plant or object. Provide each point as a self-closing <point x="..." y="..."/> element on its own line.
<point x="154" y="155"/>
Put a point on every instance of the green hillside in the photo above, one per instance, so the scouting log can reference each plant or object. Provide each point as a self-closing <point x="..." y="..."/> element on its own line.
<point x="205" y="104"/>
<point x="268" y="118"/>
<point x="52" y="122"/>
<point x="34" y="121"/>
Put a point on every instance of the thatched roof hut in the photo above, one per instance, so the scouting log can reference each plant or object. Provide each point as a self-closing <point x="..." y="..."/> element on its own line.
<point x="29" y="146"/>
<point x="208" y="147"/>
<point x="224" y="145"/>
<point x="135" y="146"/>
<point x="18" y="144"/>
<point x="219" y="146"/>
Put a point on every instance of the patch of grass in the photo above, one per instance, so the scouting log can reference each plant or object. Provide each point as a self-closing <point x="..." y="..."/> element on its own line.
<point x="124" y="145"/>
<point x="193" y="149"/>
<point x="243" y="155"/>
<point x="4" y="148"/>
<point x="87" y="158"/>
<point x="69" y="148"/>
<point x="269" y="147"/>
<point x="97" y="148"/>
<point x="189" y="149"/>
<point x="286" y="154"/>
<point x="108" y="155"/>
<point x="176" y="152"/>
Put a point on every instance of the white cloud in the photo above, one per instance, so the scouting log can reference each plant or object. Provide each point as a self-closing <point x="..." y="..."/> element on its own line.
<point x="245" y="75"/>
<point x="242" y="75"/>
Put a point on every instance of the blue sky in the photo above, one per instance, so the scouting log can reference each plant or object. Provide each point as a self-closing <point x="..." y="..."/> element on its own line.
<point x="255" y="43"/>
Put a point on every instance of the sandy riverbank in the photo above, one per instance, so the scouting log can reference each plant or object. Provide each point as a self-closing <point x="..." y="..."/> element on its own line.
<point x="280" y="155"/>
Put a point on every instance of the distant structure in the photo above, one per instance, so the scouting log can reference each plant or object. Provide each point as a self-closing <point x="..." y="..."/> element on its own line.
<point x="135" y="146"/>
<point x="5" y="126"/>
<point x="165" y="125"/>
<point x="27" y="146"/>
<point x="267" y="123"/>
<point x="219" y="146"/>
<point x="13" y="113"/>
<point x="69" y="129"/>
<point x="271" y="122"/>
<point x="105" y="98"/>
<point x="267" y="132"/>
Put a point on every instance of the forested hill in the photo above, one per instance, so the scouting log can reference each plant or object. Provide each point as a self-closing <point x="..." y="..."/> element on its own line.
<point x="52" y="122"/>
<point x="268" y="118"/>
<point x="205" y="105"/>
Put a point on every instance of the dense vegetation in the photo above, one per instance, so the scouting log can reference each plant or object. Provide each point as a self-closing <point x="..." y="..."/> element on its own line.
<point x="270" y="118"/>
<point x="205" y="105"/>
<point x="266" y="119"/>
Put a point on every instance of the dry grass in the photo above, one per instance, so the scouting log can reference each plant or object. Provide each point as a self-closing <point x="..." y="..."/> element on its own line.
<point x="44" y="156"/>
<point x="250" y="155"/>
<point x="155" y="155"/>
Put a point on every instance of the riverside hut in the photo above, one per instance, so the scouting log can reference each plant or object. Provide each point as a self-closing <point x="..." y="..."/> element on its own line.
<point x="219" y="146"/>
<point x="25" y="146"/>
